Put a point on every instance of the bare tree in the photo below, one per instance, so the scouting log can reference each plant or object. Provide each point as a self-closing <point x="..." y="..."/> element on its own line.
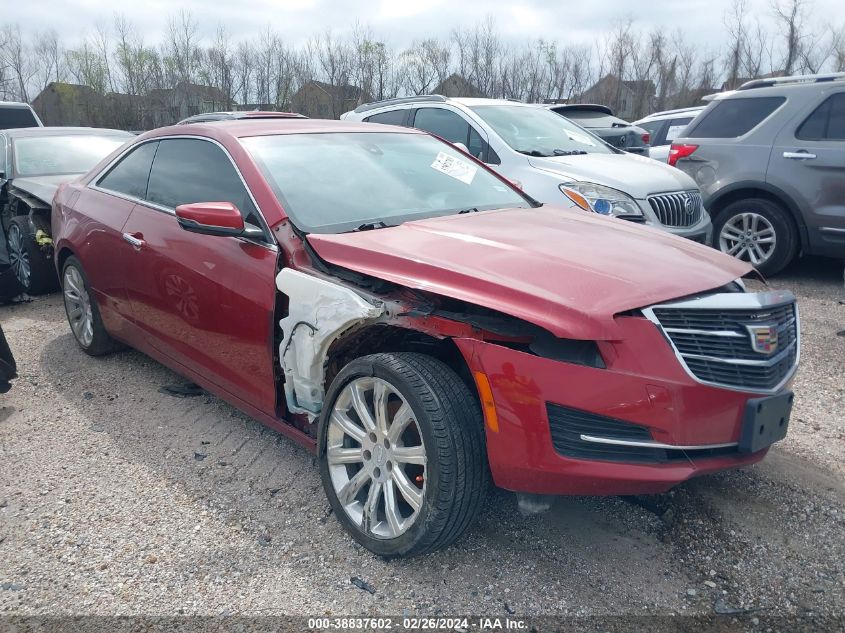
<point x="17" y="60"/>
<point x="424" y="65"/>
<point x="789" y="17"/>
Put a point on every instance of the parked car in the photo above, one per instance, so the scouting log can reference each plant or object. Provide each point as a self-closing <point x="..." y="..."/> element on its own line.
<point x="14" y="114"/>
<point x="553" y="159"/>
<point x="33" y="163"/>
<point x="8" y="368"/>
<point x="664" y="127"/>
<point x="388" y="301"/>
<point x="238" y="114"/>
<point x="770" y="161"/>
<point x="600" y="121"/>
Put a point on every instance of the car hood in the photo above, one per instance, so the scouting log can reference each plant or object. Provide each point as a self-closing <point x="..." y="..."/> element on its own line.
<point x="42" y="187"/>
<point x="565" y="270"/>
<point x="638" y="176"/>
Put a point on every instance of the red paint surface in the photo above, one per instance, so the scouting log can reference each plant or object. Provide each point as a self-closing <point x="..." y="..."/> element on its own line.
<point x="563" y="270"/>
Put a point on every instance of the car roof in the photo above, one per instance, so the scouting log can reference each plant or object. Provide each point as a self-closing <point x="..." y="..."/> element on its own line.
<point x="579" y="107"/>
<point x="668" y="114"/>
<point x="241" y="114"/>
<point x="244" y="128"/>
<point x="14" y="104"/>
<point x="21" y="132"/>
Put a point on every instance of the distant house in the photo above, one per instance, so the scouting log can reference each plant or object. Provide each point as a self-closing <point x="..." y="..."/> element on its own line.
<point x="165" y="106"/>
<point x="456" y="85"/>
<point x="70" y="104"/>
<point x="628" y="99"/>
<point x="319" y="100"/>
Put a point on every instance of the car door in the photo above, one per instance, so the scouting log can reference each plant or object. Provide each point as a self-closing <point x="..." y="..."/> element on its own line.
<point x="808" y="162"/>
<point x="205" y="301"/>
<point x="105" y="206"/>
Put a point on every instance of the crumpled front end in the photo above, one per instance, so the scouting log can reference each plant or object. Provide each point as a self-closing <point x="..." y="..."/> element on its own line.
<point x="641" y="424"/>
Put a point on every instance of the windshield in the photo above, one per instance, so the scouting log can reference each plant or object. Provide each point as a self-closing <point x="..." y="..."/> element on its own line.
<point x="540" y="132"/>
<point x="337" y="182"/>
<point x="52" y="155"/>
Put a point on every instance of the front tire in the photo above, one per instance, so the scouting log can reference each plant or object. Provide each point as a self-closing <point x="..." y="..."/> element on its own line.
<point x="83" y="315"/>
<point x="31" y="264"/>
<point x="402" y="453"/>
<point x="757" y="231"/>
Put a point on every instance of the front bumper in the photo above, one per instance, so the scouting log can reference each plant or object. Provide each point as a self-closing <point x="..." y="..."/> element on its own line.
<point x="643" y="385"/>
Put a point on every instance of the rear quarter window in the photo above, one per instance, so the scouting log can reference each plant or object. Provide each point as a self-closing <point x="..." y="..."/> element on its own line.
<point x="732" y="118"/>
<point x="16" y="117"/>
<point x="391" y="117"/>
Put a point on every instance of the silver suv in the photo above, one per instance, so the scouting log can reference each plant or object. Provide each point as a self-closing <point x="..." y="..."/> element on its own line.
<point x="770" y="161"/>
<point x="553" y="159"/>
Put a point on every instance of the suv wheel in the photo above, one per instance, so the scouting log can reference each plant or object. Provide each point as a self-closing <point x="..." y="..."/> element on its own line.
<point x="757" y="231"/>
<point x="402" y="453"/>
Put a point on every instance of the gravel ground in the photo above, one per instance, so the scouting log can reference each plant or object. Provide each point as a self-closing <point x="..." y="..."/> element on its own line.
<point x="116" y="498"/>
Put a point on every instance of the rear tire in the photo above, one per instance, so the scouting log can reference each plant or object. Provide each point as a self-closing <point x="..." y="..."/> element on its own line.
<point x="757" y="231"/>
<point x="83" y="314"/>
<point x="33" y="266"/>
<point x="370" y="468"/>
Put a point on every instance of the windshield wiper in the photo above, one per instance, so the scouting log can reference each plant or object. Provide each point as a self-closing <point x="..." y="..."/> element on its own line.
<point x="569" y="152"/>
<point x="533" y="152"/>
<point x="369" y="226"/>
<point x="470" y="210"/>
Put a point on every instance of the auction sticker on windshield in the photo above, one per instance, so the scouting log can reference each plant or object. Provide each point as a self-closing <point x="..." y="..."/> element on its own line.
<point x="454" y="167"/>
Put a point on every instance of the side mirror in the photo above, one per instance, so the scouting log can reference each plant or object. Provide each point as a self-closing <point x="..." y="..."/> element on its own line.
<point x="461" y="147"/>
<point x="211" y="218"/>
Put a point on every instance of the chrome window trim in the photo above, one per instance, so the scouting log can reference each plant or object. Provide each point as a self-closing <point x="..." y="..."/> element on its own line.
<point x="733" y="301"/>
<point x="268" y="242"/>
<point x="645" y="444"/>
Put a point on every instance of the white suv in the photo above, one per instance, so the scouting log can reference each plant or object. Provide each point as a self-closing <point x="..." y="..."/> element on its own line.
<point x="553" y="159"/>
<point x="665" y="127"/>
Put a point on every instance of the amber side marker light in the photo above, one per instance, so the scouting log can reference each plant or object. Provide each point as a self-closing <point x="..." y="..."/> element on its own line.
<point x="487" y="404"/>
<point x="577" y="198"/>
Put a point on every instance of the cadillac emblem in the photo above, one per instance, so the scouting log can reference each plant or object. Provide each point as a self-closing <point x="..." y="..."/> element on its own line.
<point x="764" y="338"/>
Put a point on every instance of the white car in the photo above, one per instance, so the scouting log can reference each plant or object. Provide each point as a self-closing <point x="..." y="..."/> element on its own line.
<point x="553" y="159"/>
<point x="664" y="127"/>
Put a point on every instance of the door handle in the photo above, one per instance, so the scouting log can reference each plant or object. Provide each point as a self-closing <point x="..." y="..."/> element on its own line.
<point x="802" y="155"/>
<point x="136" y="242"/>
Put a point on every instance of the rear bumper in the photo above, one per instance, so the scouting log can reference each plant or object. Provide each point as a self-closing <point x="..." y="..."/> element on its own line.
<point x="643" y="385"/>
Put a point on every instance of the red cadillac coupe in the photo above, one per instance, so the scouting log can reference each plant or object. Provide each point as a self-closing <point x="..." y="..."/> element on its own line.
<point x="386" y="300"/>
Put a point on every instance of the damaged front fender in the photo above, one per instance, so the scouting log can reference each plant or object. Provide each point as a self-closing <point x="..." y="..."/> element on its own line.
<point x="319" y="312"/>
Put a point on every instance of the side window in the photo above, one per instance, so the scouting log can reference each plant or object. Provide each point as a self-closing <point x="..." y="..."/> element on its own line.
<point x="444" y="123"/>
<point x="654" y="128"/>
<point x="130" y="175"/>
<point x="391" y="117"/>
<point x="732" y="118"/>
<point x="827" y="122"/>
<point x="191" y="170"/>
<point x="676" y="126"/>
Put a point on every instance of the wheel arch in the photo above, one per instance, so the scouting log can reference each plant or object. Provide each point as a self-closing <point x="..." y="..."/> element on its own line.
<point x="766" y="191"/>
<point x="385" y="337"/>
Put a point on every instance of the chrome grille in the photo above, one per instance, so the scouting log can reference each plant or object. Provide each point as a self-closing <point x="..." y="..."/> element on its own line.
<point x="716" y="338"/>
<point x="679" y="209"/>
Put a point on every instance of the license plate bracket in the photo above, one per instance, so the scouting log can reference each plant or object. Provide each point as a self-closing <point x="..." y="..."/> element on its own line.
<point x="765" y="422"/>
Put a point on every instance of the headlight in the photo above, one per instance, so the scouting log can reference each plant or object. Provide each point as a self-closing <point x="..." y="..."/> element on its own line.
<point x="600" y="199"/>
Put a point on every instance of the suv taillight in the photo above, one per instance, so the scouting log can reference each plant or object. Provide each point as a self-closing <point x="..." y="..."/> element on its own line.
<point x="677" y="152"/>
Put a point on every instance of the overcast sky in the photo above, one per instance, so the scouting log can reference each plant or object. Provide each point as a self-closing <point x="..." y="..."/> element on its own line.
<point x="400" y="21"/>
